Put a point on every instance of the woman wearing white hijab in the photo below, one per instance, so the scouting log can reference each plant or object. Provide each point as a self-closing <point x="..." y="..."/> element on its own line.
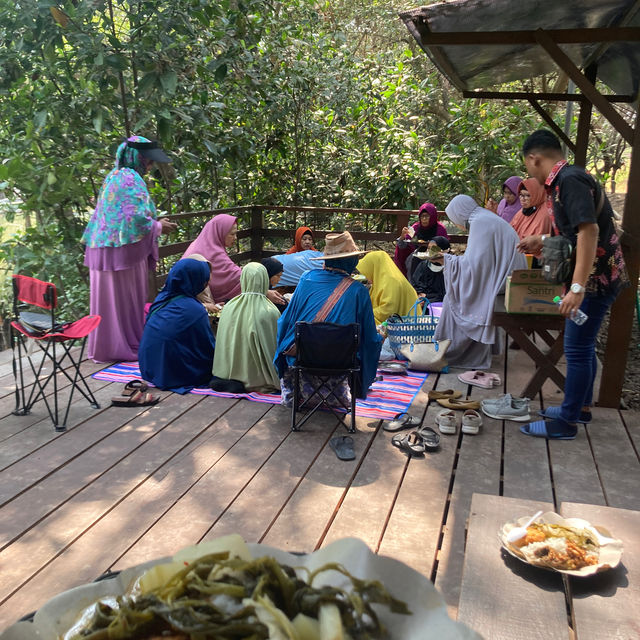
<point x="472" y="282"/>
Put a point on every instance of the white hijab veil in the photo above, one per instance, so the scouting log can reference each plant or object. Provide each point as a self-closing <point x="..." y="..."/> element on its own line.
<point x="474" y="279"/>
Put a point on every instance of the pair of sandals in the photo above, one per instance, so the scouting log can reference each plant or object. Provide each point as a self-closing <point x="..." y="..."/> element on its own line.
<point x="418" y="441"/>
<point x="135" y="394"/>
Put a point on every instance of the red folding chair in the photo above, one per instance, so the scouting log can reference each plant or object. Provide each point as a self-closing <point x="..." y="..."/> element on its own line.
<point x="50" y="336"/>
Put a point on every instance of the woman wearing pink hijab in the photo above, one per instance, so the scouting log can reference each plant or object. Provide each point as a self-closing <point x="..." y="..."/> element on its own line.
<point x="218" y="235"/>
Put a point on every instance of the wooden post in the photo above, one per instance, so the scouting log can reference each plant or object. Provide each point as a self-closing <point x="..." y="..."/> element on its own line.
<point x="257" y="223"/>
<point x="621" y="322"/>
<point x="402" y="221"/>
<point x="584" y="122"/>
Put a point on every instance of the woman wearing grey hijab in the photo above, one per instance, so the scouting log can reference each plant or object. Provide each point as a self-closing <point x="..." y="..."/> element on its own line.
<point x="472" y="282"/>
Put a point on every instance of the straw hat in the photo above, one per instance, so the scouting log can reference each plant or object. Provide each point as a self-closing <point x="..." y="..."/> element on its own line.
<point x="339" y="245"/>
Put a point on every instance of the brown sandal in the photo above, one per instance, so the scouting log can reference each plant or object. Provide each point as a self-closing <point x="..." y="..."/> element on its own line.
<point x="136" y="399"/>
<point x="452" y="403"/>
<point x="134" y="385"/>
<point x="443" y="395"/>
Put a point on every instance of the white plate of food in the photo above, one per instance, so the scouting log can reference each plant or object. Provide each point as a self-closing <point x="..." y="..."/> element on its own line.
<point x="245" y="581"/>
<point x="566" y="545"/>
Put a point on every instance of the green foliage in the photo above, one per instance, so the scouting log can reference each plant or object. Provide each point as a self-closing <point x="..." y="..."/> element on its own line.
<point x="291" y="102"/>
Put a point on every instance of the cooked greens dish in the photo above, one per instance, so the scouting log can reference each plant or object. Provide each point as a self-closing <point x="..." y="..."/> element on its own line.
<point x="218" y="597"/>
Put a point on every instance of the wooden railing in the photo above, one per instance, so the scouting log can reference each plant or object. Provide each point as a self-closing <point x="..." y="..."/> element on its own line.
<point x="367" y="226"/>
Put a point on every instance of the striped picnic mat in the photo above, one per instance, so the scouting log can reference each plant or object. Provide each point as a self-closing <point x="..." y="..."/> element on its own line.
<point x="385" y="399"/>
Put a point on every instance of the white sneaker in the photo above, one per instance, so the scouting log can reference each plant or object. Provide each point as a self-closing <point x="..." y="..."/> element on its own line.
<point x="446" y="421"/>
<point x="471" y="422"/>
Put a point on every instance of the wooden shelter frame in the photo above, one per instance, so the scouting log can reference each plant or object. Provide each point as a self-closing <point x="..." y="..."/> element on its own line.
<point x="621" y="323"/>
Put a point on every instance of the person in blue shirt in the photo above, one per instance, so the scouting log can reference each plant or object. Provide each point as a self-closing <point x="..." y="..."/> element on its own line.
<point x="354" y="306"/>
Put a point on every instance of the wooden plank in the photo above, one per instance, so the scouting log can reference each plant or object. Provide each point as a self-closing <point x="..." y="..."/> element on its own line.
<point x="412" y="533"/>
<point x="68" y="480"/>
<point x="618" y="464"/>
<point x="502" y="598"/>
<point x="606" y="605"/>
<point x="477" y="470"/>
<point x="575" y="474"/>
<point x="631" y="420"/>
<point x="39" y="431"/>
<point x="302" y="523"/>
<point x="525" y="461"/>
<point x="90" y="531"/>
<point x="253" y="511"/>
<point x="46" y="459"/>
<point x="190" y="517"/>
<point x="60" y="523"/>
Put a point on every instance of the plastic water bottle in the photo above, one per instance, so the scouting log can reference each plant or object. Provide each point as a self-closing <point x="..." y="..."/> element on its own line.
<point x="578" y="316"/>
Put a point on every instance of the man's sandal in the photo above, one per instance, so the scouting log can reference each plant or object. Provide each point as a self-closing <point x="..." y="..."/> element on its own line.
<point x="136" y="399"/>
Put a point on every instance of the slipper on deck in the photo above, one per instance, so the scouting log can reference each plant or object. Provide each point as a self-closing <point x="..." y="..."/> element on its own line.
<point x="411" y="443"/>
<point x="451" y="403"/>
<point x="134" y="385"/>
<point x="343" y="447"/>
<point x="430" y="438"/>
<point x="136" y="399"/>
<point x="483" y="379"/>
<point x="442" y="395"/>
<point x="402" y="421"/>
<point x="540" y="429"/>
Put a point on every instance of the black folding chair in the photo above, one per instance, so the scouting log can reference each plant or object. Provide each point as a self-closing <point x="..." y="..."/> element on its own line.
<point x="329" y="352"/>
<point x="55" y="341"/>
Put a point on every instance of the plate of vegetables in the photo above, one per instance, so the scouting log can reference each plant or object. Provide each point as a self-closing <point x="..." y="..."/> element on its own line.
<point x="225" y="588"/>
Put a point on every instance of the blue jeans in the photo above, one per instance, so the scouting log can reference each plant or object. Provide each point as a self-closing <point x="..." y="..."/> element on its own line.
<point x="580" y="353"/>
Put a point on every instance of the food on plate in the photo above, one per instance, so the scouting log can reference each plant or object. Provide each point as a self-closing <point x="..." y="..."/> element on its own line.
<point x="558" y="547"/>
<point x="221" y="595"/>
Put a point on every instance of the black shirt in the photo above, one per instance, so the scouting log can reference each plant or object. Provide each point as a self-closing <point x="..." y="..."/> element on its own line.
<point x="574" y="197"/>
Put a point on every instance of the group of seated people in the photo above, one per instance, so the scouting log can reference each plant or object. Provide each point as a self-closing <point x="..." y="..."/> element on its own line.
<point x="252" y="349"/>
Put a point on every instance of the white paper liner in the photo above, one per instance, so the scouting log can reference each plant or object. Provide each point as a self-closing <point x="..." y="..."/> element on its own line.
<point x="429" y="619"/>
<point x="610" y="548"/>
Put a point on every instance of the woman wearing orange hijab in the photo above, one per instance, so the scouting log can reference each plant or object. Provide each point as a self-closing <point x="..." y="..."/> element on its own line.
<point x="304" y="240"/>
<point x="533" y="218"/>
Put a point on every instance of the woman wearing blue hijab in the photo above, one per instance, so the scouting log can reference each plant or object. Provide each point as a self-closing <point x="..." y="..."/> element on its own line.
<point x="176" y="351"/>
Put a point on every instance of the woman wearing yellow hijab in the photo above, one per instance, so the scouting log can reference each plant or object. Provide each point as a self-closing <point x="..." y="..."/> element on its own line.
<point x="390" y="291"/>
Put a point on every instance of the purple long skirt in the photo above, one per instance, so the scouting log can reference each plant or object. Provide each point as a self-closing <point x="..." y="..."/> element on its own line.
<point x="119" y="298"/>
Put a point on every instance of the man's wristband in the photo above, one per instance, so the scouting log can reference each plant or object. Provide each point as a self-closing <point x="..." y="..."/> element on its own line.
<point x="542" y="238"/>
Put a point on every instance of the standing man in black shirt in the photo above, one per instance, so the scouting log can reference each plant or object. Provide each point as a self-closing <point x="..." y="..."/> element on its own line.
<point x="579" y="211"/>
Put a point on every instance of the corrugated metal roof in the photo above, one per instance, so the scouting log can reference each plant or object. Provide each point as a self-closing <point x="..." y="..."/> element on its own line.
<point x="483" y="66"/>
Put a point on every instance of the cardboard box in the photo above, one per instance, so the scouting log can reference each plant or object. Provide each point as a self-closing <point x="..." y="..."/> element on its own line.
<point x="528" y="292"/>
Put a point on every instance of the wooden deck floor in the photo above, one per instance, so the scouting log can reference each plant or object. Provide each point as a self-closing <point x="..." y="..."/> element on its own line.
<point x="124" y="485"/>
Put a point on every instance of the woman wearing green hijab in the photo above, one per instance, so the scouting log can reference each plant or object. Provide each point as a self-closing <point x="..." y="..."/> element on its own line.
<point x="246" y="337"/>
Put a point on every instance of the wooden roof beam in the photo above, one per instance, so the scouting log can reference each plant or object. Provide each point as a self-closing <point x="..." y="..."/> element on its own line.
<point x="565" y="63"/>
<point x="560" y="36"/>
<point x="551" y="122"/>
<point x="537" y="95"/>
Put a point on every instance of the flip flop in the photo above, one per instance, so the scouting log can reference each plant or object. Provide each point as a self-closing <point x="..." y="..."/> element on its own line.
<point x="134" y="385"/>
<point x="411" y="443"/>
<point x="443" y="395"/>
<point x="430" y="438"/>
<point x="136" y="399"/>
<point x="451" y="403"/>
<point x="538" y="429"/>
<point x="402" y="421"/>
<point x="343" y="447"/>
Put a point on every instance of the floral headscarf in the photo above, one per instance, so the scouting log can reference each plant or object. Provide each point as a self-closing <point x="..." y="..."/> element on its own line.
<point x="124" y="213"/>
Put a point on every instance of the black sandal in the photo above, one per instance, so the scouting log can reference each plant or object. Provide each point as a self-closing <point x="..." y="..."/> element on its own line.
<point x="134" y="385"/>
<point x="402" y="421"/>
<point x="430" y="438"/>
<point x="411" y="443"/>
